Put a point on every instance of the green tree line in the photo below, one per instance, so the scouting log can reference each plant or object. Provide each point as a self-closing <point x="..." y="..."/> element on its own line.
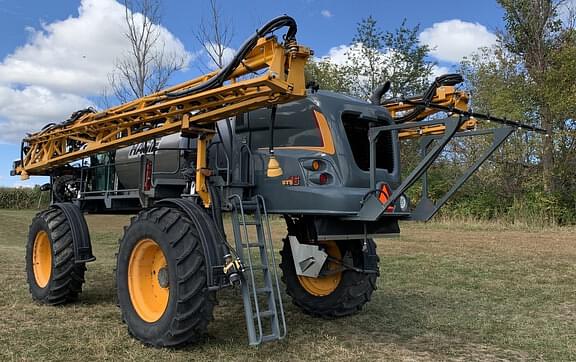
<point x="529" y="75"/>
<point x="23" y="198"/>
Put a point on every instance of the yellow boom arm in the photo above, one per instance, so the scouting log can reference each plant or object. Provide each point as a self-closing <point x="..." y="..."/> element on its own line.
<point x="173" y="110"/>
<point x="447" y="97"/>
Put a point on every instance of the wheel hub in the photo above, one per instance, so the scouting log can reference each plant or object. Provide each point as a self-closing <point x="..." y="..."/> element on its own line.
<point x="163" y="277"/>
<point x="325" y="285"/>
<point x="148" y="282"/>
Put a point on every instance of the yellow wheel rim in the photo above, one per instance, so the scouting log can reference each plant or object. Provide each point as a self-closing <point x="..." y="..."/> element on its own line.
<point x="42" y="259"/>
<point x="324" y="285"/>
<point x="148" y="280"/>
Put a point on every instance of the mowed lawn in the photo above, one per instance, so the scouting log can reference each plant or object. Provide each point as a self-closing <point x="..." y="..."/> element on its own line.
<point x="446" y="292"/>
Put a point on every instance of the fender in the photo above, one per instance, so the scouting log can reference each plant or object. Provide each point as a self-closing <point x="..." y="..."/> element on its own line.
<point x="80" y="233"/>
<point x="212" y="243"/>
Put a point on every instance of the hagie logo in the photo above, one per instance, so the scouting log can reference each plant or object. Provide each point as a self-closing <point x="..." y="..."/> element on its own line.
<point x="143" y="148"/>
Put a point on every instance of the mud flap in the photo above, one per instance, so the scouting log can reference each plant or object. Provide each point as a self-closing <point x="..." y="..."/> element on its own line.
<point x="80" y="232"/>
<point x="212" y="244"/>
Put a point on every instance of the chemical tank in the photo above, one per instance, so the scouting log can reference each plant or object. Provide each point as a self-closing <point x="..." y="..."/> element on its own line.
<point x="169" y="156"/>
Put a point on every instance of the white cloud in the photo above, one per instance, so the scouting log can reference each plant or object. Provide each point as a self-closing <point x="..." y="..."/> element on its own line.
<point x="62" y="64"/>
<point x="326" y="13"/>
<point x="452" y="40"/>
<point x="437" y="71"/>
<point x="211" y="51"/>
<point x="30" y="108"/>
<point x="337" y="54"/>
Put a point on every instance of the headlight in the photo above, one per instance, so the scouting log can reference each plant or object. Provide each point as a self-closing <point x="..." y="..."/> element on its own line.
<point x="403" y="203"/>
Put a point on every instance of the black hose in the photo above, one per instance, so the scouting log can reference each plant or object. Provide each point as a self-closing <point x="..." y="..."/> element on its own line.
<point x="379" y="92"/>
<point x="73" y="118"/>
<point x="219" y="79"/>
<point x="272" y="122"/>
<point x="443" y="80"/>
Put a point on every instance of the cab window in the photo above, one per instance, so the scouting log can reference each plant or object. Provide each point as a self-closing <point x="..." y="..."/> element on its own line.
<point x="295" y="125"/>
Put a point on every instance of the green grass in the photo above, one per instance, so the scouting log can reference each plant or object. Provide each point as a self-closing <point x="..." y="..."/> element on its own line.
<point x="446" y="292"/>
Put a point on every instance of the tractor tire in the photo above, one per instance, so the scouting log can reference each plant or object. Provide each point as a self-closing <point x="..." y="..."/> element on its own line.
<point x="53" y="276"/>
<point x="161" y="279"/>
<point x="335" y="295"/>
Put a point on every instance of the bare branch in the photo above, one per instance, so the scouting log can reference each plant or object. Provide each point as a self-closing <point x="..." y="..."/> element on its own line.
<point x="214" y="35"/>
<point x="146" y="67"/>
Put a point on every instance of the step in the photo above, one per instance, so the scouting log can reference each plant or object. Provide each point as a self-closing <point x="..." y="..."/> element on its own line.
<point x="264" y="290"/>
<point x="266" y="314"/>
<point x="248" y="268"/>
<point x="253" y="245"/>
<point x="251" y="223"/>
<point x="270" y="337"/>
<point x="249" y="207"/>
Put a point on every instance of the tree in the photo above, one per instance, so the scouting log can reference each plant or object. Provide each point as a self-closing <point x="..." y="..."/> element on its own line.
<point x="148" y="65"/>
<point x="329" y="76"/>
<point x="497" y="85"/>
<point x="376" y="56"/>
<point x="532" y="33"/>
<point x="215" y="36"/>
<point x="529" y="76"/>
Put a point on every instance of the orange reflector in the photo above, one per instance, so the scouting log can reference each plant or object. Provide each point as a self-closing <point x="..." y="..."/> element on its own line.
<point x="384" y="196"/>
<point x="148" y="176"/>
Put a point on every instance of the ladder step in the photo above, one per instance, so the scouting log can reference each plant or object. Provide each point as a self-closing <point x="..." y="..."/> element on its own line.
<point x="270" y="337"/>
<point x="252" y="245"/>
<point x="249" y="207"/>
<point x="258" y="267"/>
<point x="263" y="290"/>
<point x="253" y="223"/>
<point x="266" y="314"/>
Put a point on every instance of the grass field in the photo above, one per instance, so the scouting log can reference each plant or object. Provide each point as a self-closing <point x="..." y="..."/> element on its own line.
<point x="446" y="292"/>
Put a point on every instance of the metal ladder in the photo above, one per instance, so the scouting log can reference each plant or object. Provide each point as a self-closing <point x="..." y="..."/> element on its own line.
<point x="263" y="307"/>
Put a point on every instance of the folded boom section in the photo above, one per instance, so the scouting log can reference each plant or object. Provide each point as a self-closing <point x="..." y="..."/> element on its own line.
<point x="177" y="109"/>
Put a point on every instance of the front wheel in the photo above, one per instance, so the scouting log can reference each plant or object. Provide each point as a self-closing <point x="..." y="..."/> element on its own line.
<point x="162" y="279"/>
<point x="340" y="292"/>
<point x="52" y="274"/>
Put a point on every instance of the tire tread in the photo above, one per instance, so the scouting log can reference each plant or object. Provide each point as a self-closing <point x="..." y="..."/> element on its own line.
<point x="67" y="277"/>
<point x="193" y="306"/>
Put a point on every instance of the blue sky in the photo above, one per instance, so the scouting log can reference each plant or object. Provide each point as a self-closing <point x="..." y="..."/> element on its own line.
<point x="54" y="59"/>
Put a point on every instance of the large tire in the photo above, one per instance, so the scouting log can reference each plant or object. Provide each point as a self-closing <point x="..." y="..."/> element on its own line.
<point x="353" y="288"/>
<point x="164" y="300"/>
<point x="53" y="276"/>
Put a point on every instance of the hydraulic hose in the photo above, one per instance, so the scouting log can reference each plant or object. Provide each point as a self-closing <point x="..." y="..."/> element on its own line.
<point x="443" y="80"/>
<point x="219" y="79"/>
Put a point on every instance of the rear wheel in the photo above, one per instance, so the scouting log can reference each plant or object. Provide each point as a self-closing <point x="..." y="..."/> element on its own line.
<point x="324" y="285"/>
<point x="53" y="276"/>
<point x="339" y="292"/>
<point x="162" y="279"/>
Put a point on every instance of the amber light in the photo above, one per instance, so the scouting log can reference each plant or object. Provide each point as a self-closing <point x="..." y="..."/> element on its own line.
<point x="315" y="165"/>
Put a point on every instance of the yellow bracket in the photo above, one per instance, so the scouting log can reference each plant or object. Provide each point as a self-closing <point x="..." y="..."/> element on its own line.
<point x="446" y="96"/>
<point x="202" y="172"/>
<point x="438" y="129"/>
